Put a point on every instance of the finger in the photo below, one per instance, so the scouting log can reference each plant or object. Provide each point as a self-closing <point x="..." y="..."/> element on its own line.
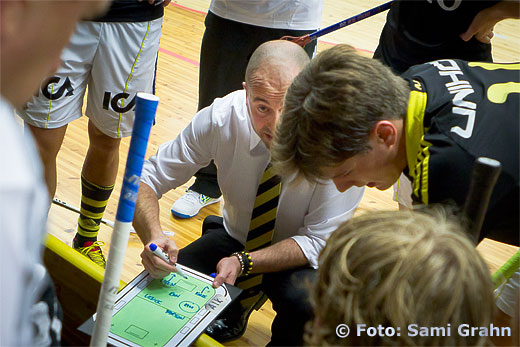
<point x="173" y="252"/>
<point x="218" y="280"/>
<point x="156" y="262"/>
<point x="484" y="39"/>
<point x="151" y="269"/>
<point x="290" y="38"/>
<point x="467" y="35"/>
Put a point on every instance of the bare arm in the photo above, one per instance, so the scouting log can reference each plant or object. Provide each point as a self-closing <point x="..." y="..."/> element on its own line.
<point x="281" y="256"/>
<point x="146" y="219"/>
<point x="148" y="228"/>
<point x="482" y="25"/>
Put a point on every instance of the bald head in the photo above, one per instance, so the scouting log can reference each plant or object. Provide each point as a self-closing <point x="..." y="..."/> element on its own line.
<point x="270" y="71"/>
<point x="281" y="55"/>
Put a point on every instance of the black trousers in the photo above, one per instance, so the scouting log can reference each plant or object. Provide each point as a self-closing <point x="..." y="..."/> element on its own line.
<point x="287" y="290"/>
<point x="226" y="48"/>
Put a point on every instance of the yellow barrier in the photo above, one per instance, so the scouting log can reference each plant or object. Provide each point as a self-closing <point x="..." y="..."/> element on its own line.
<point x="78" y="281"/>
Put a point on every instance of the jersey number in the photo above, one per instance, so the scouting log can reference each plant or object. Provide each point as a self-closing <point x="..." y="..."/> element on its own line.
<point x="497" y="93"/>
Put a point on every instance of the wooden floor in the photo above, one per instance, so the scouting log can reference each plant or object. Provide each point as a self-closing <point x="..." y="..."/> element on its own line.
<point x="177" y="80"/>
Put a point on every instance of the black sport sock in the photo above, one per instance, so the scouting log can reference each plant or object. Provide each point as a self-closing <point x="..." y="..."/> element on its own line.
<point x="94" y="199"/>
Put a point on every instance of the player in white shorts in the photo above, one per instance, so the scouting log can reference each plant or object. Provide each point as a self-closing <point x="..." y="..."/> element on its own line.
<point x="115" y="57"/>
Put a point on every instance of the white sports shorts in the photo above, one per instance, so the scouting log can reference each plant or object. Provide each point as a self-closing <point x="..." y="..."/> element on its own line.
<point x="115" y="60"/>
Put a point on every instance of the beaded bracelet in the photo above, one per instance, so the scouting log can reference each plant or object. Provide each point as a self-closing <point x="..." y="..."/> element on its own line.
<point x="242" y="263"/>
<point x="246" y="264"/>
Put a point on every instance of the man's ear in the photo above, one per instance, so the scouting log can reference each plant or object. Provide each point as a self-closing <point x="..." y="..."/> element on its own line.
<point x="385" y="132"/>
<point x="244" y="85"/>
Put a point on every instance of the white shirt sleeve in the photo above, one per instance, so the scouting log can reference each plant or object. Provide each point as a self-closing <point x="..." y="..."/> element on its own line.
<point x="178" y="160"/>
<point x="24" y="204"/>
<point x="328" y="209"/>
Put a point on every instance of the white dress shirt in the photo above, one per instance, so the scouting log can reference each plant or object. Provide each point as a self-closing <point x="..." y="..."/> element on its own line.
<point x="279" y="14"/>
<point x="24" y="203"/>
<point x="307" y="212"/>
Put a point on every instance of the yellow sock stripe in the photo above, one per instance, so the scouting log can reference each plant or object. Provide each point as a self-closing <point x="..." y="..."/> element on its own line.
<point x="268" y="174"/>
<point x="263" y="218"/>
<point x="84" y="233"/>
<point x="130" y="76"/>
<point x="50" y="105"/>
<point x="250" y="302"/>
<point x="88" y="224"/>
<point x="268" y="195"/>
<point x="91" y="215"/>
<point x="254" y="281"/>
<point x="260" y="240"/>
<point x="110" y="187"/>
<point x="93" y="203"/>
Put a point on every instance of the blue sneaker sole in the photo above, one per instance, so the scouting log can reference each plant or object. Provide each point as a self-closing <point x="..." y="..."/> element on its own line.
<point x="180" y="215"/>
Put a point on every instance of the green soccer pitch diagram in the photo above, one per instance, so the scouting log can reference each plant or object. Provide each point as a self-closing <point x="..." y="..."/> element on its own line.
<point x="172" y="311"/>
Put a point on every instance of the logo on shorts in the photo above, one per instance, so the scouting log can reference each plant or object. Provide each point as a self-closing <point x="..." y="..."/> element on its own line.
<point x="49" y="86"/>
<point x="119" y="103"/>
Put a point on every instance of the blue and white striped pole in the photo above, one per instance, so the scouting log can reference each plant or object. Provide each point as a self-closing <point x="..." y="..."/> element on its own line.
<point x="146" y="106"/>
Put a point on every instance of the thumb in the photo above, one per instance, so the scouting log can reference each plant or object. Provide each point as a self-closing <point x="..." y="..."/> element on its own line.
<point x="467" y="35"/>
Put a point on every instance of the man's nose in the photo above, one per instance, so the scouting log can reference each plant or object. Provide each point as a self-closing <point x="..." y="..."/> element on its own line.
<point x="276" y="116"/>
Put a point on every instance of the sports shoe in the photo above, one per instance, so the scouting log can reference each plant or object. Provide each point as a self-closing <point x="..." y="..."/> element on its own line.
<point x="189" y="204"/>
<point x="92" y="251"/>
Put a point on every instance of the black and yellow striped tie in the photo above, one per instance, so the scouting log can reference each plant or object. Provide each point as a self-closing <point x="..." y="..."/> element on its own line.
<point x="260" y="232"/>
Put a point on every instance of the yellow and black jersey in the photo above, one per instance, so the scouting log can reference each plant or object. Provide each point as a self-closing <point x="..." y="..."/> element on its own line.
<point x="457" y="112"/>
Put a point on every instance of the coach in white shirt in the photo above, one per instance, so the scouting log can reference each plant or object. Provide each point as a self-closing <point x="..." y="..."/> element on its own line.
<point x="235" y="131"/>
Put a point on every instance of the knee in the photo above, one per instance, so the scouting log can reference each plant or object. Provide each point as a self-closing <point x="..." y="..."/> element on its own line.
<point x="48" y="142"/>
<point x="102" y="142"/>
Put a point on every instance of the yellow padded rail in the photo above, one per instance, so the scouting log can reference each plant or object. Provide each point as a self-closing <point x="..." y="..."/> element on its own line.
<point x="75" y="277"/>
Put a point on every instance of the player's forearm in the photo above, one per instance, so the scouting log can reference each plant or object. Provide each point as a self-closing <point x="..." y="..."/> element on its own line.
<point x="146" y="218"/>
<point x="281" y="256"/>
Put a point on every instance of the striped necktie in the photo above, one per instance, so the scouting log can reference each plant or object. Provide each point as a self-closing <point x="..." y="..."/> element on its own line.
<point x="261" y="230"/>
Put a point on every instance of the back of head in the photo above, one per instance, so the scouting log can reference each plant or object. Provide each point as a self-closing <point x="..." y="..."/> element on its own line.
<point x="280" y="56"/>
<point x="331" y="107"/>
<point x="399" y="268"/>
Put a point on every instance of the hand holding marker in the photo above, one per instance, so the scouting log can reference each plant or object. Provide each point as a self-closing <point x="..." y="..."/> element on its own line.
<point x="158" y="252"/>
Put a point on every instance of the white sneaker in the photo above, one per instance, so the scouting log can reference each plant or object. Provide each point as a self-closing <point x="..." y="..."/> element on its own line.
<point x="190" y="204"/>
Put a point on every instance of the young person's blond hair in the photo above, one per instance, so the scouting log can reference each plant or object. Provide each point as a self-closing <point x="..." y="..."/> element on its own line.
<point x="330" y="109"/>
<point x="399" y="268"/>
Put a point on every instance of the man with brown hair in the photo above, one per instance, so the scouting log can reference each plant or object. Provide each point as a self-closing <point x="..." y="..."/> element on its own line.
<point x="350" y="119"/>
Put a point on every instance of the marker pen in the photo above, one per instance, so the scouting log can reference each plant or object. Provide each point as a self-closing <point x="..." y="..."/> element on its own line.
<point x="158" y="252"/>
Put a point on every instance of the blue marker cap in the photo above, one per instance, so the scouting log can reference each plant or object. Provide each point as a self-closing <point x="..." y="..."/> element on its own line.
<point x="214" y="275"/>
<point x="153" y="247"/>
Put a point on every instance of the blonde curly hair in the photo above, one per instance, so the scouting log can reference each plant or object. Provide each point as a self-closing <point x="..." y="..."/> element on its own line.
<point x="399" y="268"/>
